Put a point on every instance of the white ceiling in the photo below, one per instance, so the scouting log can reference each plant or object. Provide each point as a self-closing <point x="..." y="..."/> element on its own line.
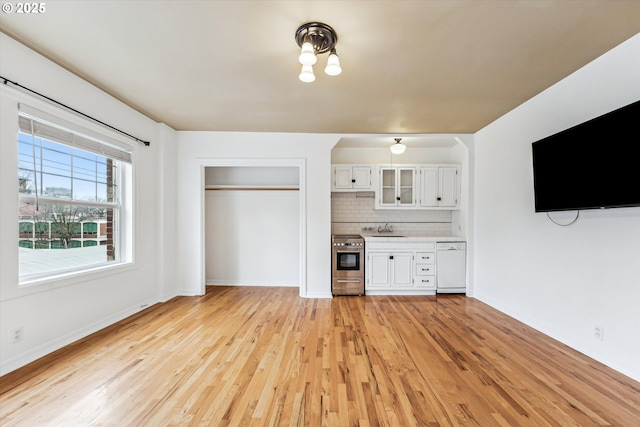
<point x="409" y="67"/>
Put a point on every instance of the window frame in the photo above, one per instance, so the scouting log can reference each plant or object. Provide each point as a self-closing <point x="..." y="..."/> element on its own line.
<point x="123" y="206"/>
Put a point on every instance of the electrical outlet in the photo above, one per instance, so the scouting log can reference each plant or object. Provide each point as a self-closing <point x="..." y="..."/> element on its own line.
<point x="598" y="332"/>
<point x="18" y="334"/>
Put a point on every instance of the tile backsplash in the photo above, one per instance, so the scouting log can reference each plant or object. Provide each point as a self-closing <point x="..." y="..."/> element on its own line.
<point x="351" y="212"/>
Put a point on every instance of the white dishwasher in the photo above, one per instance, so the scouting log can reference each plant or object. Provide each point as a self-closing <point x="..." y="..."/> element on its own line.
<point x="451" y="267"/>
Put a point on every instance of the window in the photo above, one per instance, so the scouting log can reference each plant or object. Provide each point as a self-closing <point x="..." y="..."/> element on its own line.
<point x="72" y="193"/>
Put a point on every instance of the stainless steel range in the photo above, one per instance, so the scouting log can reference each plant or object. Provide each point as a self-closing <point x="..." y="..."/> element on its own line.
<point x="347" y="262"/>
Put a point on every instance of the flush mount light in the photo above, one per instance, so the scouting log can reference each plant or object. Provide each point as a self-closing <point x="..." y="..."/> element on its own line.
<point x="316" y="38"/>
<point x="398" y="147"/>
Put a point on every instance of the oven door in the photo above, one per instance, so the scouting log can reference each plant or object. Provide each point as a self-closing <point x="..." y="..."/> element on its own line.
<point x="347" y="260"/>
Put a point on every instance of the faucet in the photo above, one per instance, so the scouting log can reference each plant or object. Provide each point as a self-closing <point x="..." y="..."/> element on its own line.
<point x="386" y="229"/>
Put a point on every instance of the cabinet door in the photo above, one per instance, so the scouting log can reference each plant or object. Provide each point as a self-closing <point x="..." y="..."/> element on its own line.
<point x="397" y="187"/>
<point x="387" y="194"/>
<point x="439" y="186"/>
<point x="361" y="177"/>
<point x="429" y="186"/>
<point x="379" y="269"/>
<point x="406" y="187"/>
<point x="448" y="186"/>
<point x="401" y="270"/>
<point x="342" y="177"/>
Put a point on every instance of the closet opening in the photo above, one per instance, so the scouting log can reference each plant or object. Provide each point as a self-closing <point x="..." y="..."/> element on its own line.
<point x="253" y="225"/>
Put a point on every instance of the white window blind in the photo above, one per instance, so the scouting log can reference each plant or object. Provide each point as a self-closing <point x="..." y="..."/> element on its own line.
<point x="33" y="121"/>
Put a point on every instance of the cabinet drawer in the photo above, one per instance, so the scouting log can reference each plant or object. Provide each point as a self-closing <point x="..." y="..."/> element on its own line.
<point x="425" y="269"/>
<point x="426" y="257"/>
<point x="426" y="282"/>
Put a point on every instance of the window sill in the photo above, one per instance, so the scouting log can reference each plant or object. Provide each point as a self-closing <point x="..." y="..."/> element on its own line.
<point x="28" y="286"/>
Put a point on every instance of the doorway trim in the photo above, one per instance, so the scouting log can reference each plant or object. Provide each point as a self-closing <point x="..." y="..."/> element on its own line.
<point x="276" y="162"/>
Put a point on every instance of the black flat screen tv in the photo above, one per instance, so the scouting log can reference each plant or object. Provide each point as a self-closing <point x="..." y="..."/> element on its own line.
<point x="593" y="165"/>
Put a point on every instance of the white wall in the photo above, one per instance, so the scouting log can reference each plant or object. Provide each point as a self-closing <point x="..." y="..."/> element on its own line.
<point x="560" y="280"/>
<point x="62" y="311"/>
<point x="312" y="153"/>
<point x="252" y="237"/>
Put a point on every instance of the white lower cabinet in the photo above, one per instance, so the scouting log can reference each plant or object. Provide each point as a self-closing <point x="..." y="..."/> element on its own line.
<point x="426" y="270"/>
<point x="400" y="268"/>
<point x="390" y="269"/>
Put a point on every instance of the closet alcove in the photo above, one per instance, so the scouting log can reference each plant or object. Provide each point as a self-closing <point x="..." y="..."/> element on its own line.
<point x="252" y="225"/>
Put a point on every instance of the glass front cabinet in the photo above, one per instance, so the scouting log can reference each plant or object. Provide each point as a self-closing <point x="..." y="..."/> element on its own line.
<point x="397" y="187"/>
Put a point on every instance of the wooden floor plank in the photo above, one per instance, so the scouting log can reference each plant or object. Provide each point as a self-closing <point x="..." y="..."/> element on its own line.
<point x="265" y="357"/>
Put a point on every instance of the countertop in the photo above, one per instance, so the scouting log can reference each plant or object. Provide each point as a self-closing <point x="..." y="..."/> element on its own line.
<point x="396" y="238"/>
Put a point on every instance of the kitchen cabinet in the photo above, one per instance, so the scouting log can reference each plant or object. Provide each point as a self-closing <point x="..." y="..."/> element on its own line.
<point x="351" y="178"/>
<point x="396" y="187"/>
<point x="439" y="186"/>
<point x="426" y="270"/>
<point x="400" y="268"/>
<point x="390" y="269"/>
<point x="408" y="186"/>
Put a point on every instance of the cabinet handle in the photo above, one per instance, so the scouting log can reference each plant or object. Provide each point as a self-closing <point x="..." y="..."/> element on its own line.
<point x="353" y="180"/>
<point x="390" y="256"/>
<point x="398" y="198"/>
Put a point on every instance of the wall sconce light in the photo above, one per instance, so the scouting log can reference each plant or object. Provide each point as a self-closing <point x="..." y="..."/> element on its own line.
<point x="398" y="147"/>
<point x="316" y="38"/>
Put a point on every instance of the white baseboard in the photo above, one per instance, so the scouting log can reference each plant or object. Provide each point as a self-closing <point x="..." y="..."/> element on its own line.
<point x="36" y="353"/>
<point x="319" y="295"/>
<point x="622" y="366"/>
<point x="251" y="283"/>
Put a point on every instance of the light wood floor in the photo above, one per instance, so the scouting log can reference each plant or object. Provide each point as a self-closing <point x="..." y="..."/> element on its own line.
<point x="263" y="356"/>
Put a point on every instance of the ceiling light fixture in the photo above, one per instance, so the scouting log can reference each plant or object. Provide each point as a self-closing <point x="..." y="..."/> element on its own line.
<point x="316" y="38"/>
<point x="398" y="147"/>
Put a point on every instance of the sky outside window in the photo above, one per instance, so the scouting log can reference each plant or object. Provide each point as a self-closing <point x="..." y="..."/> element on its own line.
<point x="62" y="172"/>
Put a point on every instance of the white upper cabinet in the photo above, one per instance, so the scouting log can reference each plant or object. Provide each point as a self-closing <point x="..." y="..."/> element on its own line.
<point x="408" y="186"/>
<point x="351" y="178"/>
<point x="439" y="186"/>
<point x="397" y="187"/>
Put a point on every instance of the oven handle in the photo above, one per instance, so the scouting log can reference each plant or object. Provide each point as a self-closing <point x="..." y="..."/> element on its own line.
<point x="357" y="251"/>
<point x="348" y="281"/>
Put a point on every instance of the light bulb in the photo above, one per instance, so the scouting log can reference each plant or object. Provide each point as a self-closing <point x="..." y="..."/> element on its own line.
<point x="306" y="75"/>
<point x="333" y="64"/>
<point x="307" y="54"/>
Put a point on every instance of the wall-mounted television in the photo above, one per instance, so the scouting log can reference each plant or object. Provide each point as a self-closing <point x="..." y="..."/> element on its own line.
<point x="593" y="165"/>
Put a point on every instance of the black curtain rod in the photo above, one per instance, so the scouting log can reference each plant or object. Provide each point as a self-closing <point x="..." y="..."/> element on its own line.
<point x="5" y="80"/>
